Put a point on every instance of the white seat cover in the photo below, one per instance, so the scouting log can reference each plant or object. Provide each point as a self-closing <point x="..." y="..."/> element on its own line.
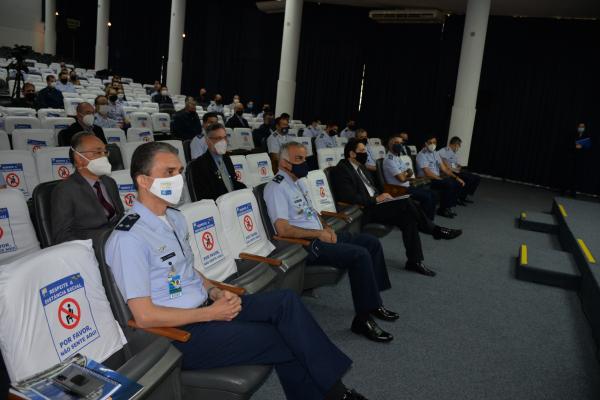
<point x="140" y="135"/>
<point x="57" y="123"/>
<point x="377" y="152"/>
<point x="212" y="254"/>
<point x="242" y="173"/>
<point x="306" y="141"/>
<point x="140" y="120"/>
<point x="161" y="122"/>
<point x="53" y="163"/>
<point x="53" y="305"/>
<point x="17" y="236"/>
<point x="127" y="149"/>
<point x="71" y="104"/>
<point x="319" y="191"/>
<point x="20" y="112"/>
<point x="33" y="139"/>
<point x="407" y="161"/>
<point x="127" y="191"/>
<point x="178" y="144"/>
<point x="242" y="223"/>
<point x="341" y="141"/>
<point x="242" y="139"/>
<point x="327" y="157"/>
<point x="4" y="142"/>
<point x="413" y="150"/>
<point x="259" y="165"/>
<point x="114" y="135"/>
<point x="12" y="123"/>
<point x="374" y="141"/>
<point x="51" y="112"/>
<point x="19" y="171"/>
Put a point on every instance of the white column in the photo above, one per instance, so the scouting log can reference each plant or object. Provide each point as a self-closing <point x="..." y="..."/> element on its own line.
<point x="176" y="31"/>
<point x="469" y="69"/>
<point x="102" y="35"/>
<point x="50" y="27"/>
<point x="286" y="85"/>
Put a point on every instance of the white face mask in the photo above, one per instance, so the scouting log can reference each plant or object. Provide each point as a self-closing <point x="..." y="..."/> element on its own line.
<point x="221" y="147"/>
<point x="431" y="147"/>
<point x="103" y="109"/>
<point x="120" y="96"/>
<point x="88" y="119"/>
<point x="169" y="189"/>
<point x="580" y="129"/>
<point x="164" y="92"/>
<point x="53" y="84"/>
<point x="99" y="167"/>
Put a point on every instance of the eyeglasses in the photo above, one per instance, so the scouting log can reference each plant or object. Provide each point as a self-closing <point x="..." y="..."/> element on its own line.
<point x="97" y="153"/>
<point x="218" y="139"/>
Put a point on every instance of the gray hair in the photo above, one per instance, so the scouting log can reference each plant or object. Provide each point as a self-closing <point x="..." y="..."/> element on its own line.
<point x="284" y="153"/>
<point x="214" y="127"/>
<point x="143" y="158"/>
<point x="76" y="143"/>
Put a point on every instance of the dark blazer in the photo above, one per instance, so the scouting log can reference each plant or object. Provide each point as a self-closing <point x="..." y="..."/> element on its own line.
<point x="205" y="180"/>
<point x="237" y="122"/>
<point x="185" y="125"/>
<point x="50" y="98"/>
<point x="76" y="211"/>
<point x="64" y="136"/>
<point x="348" y="187"/>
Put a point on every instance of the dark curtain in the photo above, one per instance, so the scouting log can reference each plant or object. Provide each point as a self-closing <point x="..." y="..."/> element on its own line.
<point x="231" y="48"/>
<point x="410" y="77"/>
<point x="330" y="62"/>
<point x="78" y="44"/>
<point x="539" y="78"/>
<point x="139" y="38"/>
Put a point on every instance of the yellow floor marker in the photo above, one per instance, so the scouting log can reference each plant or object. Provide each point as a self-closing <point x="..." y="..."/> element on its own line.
<point x="562" y="210"/>
<point x="586" y="251"/>
<point x="523" y="215"/>
<point x="523" y="254"/>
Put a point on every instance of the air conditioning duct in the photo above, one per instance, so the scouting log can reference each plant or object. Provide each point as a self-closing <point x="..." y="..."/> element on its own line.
<point x="408" y="16"/>
<point x="271" y="7"/>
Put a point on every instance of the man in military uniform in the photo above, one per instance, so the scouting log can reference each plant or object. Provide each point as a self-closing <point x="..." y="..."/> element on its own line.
<point x="198" y="145"/>
<point x="326" y="140"/>
<point x="152" y="263"/>
<point x="448" y="156"/>
<point x="293" y="216"/>
<point x="277" y="139"/>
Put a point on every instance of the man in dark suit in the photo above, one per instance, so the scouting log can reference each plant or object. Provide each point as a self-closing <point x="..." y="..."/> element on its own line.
<point x="262" y="133"/>
<point x="236" y="120"/>
<point x="212" y="174"/>
<point x="352" y="183"/>
<point x="84" y="123"/>
<point x="186" y="122"/>
<point x="87" y="203"/>
<point x="50" y="96"/>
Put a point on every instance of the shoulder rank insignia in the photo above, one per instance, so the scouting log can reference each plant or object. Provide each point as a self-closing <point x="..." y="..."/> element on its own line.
<point x="173" y="208"/>
<point x="390" y="156"/>
<point x="278" y="178"/>
<point x="127" y="222"/>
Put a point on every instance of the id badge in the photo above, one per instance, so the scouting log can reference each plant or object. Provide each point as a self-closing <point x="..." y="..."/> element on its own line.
<point x="174" y="286"/>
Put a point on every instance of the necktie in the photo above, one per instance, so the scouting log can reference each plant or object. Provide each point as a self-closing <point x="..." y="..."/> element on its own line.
<point x="110" y="210"/>
<point x="366" y="182"/>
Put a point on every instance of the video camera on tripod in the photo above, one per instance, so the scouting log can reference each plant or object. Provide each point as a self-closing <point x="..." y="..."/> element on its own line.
<point x="18" y="53"/>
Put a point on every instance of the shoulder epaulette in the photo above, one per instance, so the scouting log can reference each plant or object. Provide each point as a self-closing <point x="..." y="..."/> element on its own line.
<point x="390" y="156"/>
<point x="173" y="208"/>
<point x="278" y="178"/>
<point x="127" y="222"/>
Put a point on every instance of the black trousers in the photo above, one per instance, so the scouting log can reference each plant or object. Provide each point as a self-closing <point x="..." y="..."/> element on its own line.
<point x="426" y="198"/>
<point x="403" y="214"/>
<point x="449" y="190"/>
<point x="471" y="183"/>
<point x="362" y="255"/>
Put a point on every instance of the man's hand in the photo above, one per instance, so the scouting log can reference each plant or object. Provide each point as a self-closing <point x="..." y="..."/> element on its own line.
<point x="383" y="197"/>
<point x="226" y="307"/>
<point x="460" y="181"/>
<point x="409" y="173"/>
<point x="578" y="146"/>
<point x="328" y="236"/>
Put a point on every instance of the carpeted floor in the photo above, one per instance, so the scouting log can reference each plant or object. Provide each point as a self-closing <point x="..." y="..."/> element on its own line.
<point x="473" y="331"/>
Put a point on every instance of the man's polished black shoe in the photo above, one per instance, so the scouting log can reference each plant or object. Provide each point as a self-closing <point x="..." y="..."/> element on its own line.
<point x="370" y="330"/>
<point x="461" y="202"/>
<point x="420" y="268"/>
<point x="384" y="314"/>
<point x="452" y="212"/>
<point x="352" y="394"/>
<point x="468" y="201"/>
<point x="445" y="212"/>
<point x="441" y="232"/>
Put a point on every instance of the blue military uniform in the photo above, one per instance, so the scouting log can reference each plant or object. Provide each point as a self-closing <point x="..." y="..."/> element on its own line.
<point x="394" y="165"/>
<point x="361" y="254"/>
<point x="198" y="145"/>
<point x="471" y="181"/>
<point x="325" y="141"/>
<point x="448" y="187"/>
<point x="151" y="257"/>
<point x="104" y="121"/>
<point x="275" y="140"/>
<point x="309" y="131"/>
<point x="348" y="133"/>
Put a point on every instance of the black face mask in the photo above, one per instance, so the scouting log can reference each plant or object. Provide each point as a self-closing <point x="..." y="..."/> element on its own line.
<point x="351" y="127"/>
<point x="63" y="80"/>
<point x="239" y="113"/>
<point x="363" y="141"/>
<point x="300" y="170"/>
<point x="397" y="148"/>
<point x="112" y="97"/>
<point x="332" y="132"/>
<point x="362" y="157"/>
<point x="30" y="96"/>
<point x="218" y="101"/>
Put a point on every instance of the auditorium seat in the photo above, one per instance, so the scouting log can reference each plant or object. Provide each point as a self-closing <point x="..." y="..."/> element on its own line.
<point x="127" y="191"/>
<point x="243" y="226"/>
<point x="32" y="343"/>
<point x="114" y="135"/>
<point x="11" y="123"/>
<point x="4" y="142"/>
<point x="377" y="151"/>
<point x="341" y="141"/>
<point x="53" y="163"/>
<point x="20" y="112"/>
<point x="19" y="170"/>
<point x="17" y="236"/>
<point x="127" y="150"/>
<point x="71" y="104"/>
<point x="242" y="173"/>
<point x="374" y="141"/>
<point x="259" y="168"/>
<point x="161" y="122"/>
<point x="178" y="144"/>
<point x="327" y="157"/>
<point x="57" y="123"/>
<point x="42" y="211"/>
<point x="51" y="112"/>
<point x="140" y="120"/>
<point x="241" y="139"/>
<point x="187" y="150"/>
<point x="140" y="135"/>
<point x="114" y="156"/>
<point x="33" y="139"/>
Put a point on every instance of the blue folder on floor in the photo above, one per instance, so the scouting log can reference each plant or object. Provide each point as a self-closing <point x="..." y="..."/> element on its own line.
<point x="585" y="143"/>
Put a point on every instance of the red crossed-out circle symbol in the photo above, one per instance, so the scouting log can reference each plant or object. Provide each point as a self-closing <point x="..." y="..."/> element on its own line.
<point x="35" y="148"/>
<point x="238" y="175"/>
<point x="1" y="232"/>
<point x="208" y="241"/>
<point x="322" y="191"/>
<point x="129" y="199"/>
<point x="263" y="171"/>
<point x="12" y="179"/>
<point x="248" y="224"/>
<point x="69" y="313"/>
<point x="63" y="172"/>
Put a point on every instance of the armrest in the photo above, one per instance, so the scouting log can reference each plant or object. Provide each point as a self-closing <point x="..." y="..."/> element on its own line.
<point x="302" y="242"/>
<point x="230" y="288"/>
<point x="271" y="261"/>
<point x="344" y="204"/>
<point x="171" y="333"/>
<point x="341" y="216"/>
<point x="394" y="190"/>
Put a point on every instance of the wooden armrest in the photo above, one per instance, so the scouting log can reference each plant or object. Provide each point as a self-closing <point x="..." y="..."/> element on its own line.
<point x="171" y="333"/>
<point x="341" y="216"/>
<point x="271" y="261"/>
<point x="230" y="288"/>
<point x="302" y="242"/>
<point x="344" y="204"/>
<point x="395" y="190"/>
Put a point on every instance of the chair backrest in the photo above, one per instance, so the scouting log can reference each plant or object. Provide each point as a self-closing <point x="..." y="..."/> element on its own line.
<point x="242" y="223"/>
<point x="341" y="141"/>
<point x="259" y="191"/>
<point x="178" y="144"/>
<point x="377" y="152"/>
<point x="327" y="157"/>
<point x="413" y="150"/>
<point x="20" y="112"/>
<point x="57" y="123"/>
<point x="11" y="123"/>
<point x="140" y="120"/>
<point x="71" y="104"/>
<point x="19" y="171"/>
<point x="140" y="135"/>
<point x="42" y="211"/>
<point x="242" y="173"/>
<point x="127" y="191"/>
<point x="17" y="236"/>
<point x="241" y="138"/>
<point x="307" y="142"/>
<point x="127" y="150"/>
<point x="259" y="166"/>
<point x="374" y="141"/>
<point x="380" y="178"/>
<point x="132" y="103"/>
<point x="53" y="163"/>
<point x="161" y="122"/>
<point x="114" y="135"/>
<point x="53" y="305"/>
<point x="33" y="139"/>
<point x="51" y="112"/>
<point x="212" y="253"/>
<point x="320" y="191"/>
<point x="69" y="95"/>
<point x="4" y="142"/>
